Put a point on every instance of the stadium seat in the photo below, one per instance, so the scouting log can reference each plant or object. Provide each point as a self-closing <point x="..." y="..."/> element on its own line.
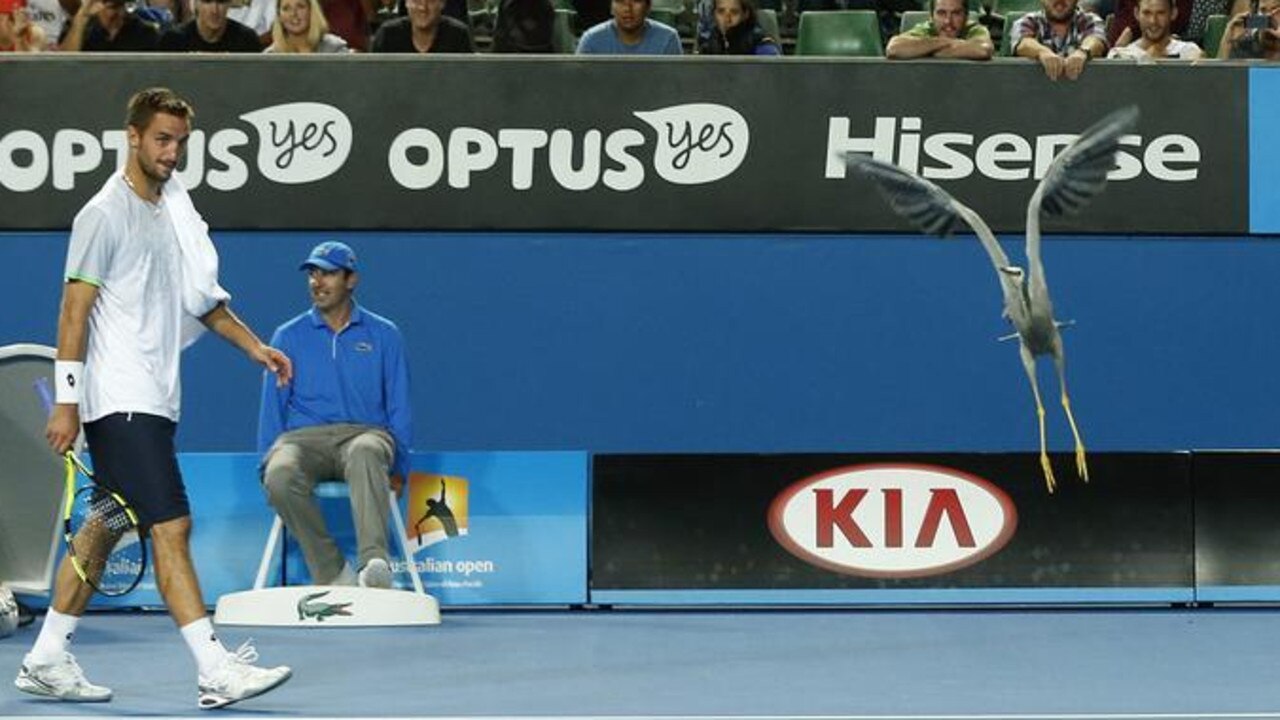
<point x="840" y="33"/>
<point x="1009" y="20"/>
<point x="1004" y="7"/>
<point x="769" y="23"/>
<point x="912" y="18"/>
<point x="666" y="17"/>
<point x="1214" y="27"/>
<point x="562" y="38"/>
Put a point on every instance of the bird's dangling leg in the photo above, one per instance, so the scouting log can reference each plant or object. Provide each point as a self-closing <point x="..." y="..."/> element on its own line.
<point x="1029" y="364"/>
<point x="1082" y="465"/>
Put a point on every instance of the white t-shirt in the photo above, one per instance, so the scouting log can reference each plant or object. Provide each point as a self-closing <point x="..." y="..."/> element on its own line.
<point x="259" y="15"/>
<point x="1175" y="50"/>
<point x="128" y="249"/>
<point x="50" y="16"/>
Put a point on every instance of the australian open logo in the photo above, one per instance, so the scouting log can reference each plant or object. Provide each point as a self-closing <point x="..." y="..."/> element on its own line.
<point x="438" y="508"/>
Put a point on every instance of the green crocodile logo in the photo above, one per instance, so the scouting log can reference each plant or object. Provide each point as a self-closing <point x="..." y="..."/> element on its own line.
<point x="309" y="606"/>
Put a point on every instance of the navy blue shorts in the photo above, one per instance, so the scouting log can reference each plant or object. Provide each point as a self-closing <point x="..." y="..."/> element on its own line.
<point x="133" y="454"/>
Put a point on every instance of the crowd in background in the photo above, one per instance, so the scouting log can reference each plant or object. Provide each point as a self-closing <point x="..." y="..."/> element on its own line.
<point x="1063" y="35"/>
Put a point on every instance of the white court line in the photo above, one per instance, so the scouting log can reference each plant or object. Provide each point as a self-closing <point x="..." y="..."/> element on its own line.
<point x="675" y="716"/>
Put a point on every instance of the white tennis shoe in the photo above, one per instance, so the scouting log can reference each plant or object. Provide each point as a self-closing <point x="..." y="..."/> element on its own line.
<point x="237" y="678"/>
<point x="62" y="679"/>
<point x="376" y="574"/>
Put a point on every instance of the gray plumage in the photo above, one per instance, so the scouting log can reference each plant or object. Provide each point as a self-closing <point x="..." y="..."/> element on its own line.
<point x="1074" y="178"/>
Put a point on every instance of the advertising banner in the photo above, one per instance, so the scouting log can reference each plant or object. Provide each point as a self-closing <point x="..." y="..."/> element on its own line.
<point x="483" y="143"/>
<point x="507" y="528"/>
<point x="1237" y="536"/>
<point x="881" y="528"/>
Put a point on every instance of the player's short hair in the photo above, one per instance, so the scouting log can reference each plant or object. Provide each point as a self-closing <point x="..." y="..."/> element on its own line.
<point x="145" y="104"/>
<point x="933" y="5"/>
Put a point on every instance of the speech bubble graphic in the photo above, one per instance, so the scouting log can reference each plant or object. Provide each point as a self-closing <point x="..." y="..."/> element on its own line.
<point x="300" y="142"/>
<point x="698" y="142"/>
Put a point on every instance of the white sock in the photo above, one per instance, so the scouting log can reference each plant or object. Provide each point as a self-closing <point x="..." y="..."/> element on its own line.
<point x="55" y="636"/>
<point x="204" y="644"/>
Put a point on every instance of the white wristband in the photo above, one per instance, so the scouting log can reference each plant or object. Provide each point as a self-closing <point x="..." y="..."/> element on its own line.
<point x="68" y="375"/>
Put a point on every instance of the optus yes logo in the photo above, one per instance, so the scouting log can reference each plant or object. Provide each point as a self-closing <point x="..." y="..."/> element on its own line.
<point x="300" y="142"/>
<point x="693" y="144"/>
<point x="892" y="520"/>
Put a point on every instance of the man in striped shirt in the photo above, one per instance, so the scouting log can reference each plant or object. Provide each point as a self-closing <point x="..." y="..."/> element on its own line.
<point x="1060" y="36"/>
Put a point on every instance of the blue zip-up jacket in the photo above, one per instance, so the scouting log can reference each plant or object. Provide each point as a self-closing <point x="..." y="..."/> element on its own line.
<point x="358" y="375"/>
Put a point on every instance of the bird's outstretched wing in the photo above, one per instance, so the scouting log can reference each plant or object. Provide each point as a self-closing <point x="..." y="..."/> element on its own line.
<point x="927" y="206"/>
<point x="1080" y="172"/>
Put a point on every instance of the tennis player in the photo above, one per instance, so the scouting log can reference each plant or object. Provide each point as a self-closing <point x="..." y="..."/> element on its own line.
<point x="141" y="284"/>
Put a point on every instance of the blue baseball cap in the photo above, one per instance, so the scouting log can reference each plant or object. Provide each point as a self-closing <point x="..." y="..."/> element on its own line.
<point x="331" y="255"/>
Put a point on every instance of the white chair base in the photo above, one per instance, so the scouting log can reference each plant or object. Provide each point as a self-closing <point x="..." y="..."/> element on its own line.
<point x="326" y="606"/>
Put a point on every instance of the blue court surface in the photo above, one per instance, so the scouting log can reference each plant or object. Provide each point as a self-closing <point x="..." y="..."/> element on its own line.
<point x="1081" y="664"/>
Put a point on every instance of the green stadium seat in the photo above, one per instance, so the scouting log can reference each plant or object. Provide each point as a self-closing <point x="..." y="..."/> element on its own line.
<point x="1009" y="19"/>
<point x="840" y="33"/>
<point x="666" y="17"/>
<point x="562" y="37"/>
<point x="1004" y="7"/>
<point x="912" y="18"/>
<point x="769" y="23"/>
<point x="1214" y="28"/>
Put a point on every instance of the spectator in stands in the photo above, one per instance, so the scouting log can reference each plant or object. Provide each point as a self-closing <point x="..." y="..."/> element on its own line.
<point x="300" y="27"/>
<point x="1155" y="21"/>
<point x="51" y="16"/>
<point x="947" y="34"/>
<point x="349" y="20"/>
<point x="737" y="31"/>
<point x="1060" y="36"/>
<point x="456" y="9"/>
<point x="164" y="14"/>
<point x="17" y="33"/>
<point x="107" y="26"/>
<point x="425" y="30"/>
<point x="257" y="15"/>
<point x="346" y="415"/>
<point x="211" y="31"/>
<point x="1123" y="26"/>
<point x="630" y="32"/>
<point x="524" y="26"/>
<point x="1241" y="42"/>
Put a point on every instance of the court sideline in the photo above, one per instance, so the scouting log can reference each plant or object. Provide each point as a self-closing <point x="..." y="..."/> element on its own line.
<point x="991" y="663"/>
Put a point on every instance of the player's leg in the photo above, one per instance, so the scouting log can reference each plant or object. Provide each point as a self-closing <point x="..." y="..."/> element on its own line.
<point x="296" y="462"/>
<point x="366" y="461"/>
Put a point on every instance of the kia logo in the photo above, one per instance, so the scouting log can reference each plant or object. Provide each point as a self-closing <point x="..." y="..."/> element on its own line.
<point x="892" y="520"/>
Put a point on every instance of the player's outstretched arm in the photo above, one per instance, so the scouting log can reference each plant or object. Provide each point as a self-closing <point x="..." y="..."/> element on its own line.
<point x="225" y="323"/>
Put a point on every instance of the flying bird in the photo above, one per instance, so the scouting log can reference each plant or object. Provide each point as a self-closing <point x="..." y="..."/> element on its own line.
<point x="1073" y="179"/>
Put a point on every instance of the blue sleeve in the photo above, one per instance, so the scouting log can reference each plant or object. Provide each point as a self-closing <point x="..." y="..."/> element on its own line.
<point x="399" y="410"/>
<point x="673" y="44"/>
<point x="767" y="48"/>
<point x="275" y="400"/>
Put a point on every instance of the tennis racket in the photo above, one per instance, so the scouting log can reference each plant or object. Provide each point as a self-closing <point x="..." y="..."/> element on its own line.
<point x="101" y="531"/>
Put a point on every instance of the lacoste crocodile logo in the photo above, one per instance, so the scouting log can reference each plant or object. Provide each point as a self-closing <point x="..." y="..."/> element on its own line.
<point x="310" y="607"/>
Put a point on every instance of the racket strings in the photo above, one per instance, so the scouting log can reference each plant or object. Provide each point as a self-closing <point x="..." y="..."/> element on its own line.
<point x="106" y="542"/>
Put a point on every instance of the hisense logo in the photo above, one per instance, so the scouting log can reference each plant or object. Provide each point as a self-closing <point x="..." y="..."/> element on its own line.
<point x="949" y="155"/>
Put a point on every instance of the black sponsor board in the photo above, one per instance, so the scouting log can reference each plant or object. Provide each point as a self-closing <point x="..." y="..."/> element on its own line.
<point x="701" y="522"/>
<point x="1237" y="532"/>
<point x="654" y="144"/>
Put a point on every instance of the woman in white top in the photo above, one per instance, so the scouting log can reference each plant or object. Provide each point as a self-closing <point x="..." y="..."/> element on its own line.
<point x="300" y="27"/>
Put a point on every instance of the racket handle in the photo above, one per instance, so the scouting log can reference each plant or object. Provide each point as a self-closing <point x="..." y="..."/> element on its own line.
<point x="46" y="395"/>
